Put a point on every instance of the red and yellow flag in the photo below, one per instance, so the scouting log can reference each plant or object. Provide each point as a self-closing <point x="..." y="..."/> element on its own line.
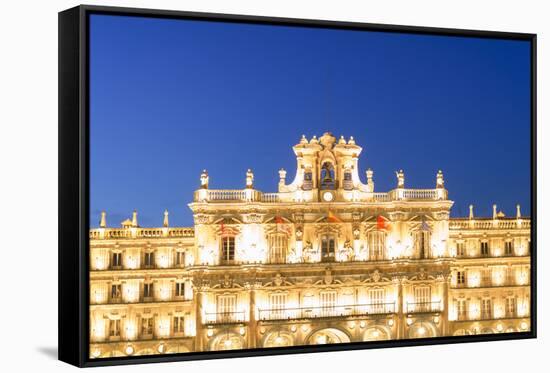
<point x="333" y="218"/>
<point x="382" y="223"/>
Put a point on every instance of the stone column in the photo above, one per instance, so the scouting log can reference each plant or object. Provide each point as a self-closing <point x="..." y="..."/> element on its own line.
<point x="252" y="319"/>
<point x="445" y="314"/>
<point x="401" y="322"/>
<point x="199" y="338"/>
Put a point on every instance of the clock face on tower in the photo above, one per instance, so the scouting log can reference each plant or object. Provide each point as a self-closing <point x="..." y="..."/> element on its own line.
<point x="327" y="196"/>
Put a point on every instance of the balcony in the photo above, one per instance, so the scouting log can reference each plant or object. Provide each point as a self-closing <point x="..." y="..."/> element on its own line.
<point x="234" y="317"/>
<point x="423" y="307"/>
<point x="326" y="311"/>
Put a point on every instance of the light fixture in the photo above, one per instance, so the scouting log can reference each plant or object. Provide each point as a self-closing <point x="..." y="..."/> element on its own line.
<point x="129" y="350"/>
<point x="499" y="327"/>
<point x="242" y="330"/>
<point x="293" y="328"/>
<point x="161" y="348"/>
<point x="210" y="332"/>
<point x="409" y="321"/>
<point x="523" y="325"/>
<point x="390" y="322"/>
<point x="96" y="352"/>
<point x="362" y="324"/>
<point x="436" y="319"/>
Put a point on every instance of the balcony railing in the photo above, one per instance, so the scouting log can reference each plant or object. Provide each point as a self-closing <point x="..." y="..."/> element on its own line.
<point x="487" y="315"/>
<point x="224" y="317"/>
<point x="419" y="307"/>
<point x="487" y="223"/>
<point x="138" y="232"/>
<point x="326" y="311"/>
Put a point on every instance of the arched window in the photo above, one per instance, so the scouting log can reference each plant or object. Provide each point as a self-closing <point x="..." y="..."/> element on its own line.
<point x="327" y="176"/>
<point x="278" y="246"/>
<point x="376" y="241"/>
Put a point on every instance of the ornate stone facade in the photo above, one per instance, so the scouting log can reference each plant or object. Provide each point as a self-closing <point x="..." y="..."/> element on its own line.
<point x="326" y="259"/>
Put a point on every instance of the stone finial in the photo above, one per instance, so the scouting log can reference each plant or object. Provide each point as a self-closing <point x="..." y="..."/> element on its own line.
<point x="249" y="179"/>
<point x="103" y="220"/>
<point x="370" y="174"/>
<point x="314" y="140"/>
<point x="400" y="178"/>
<point x="282" y="175"/>
<point x="165" y="221"/>
<point x="303" y="140"/>
<point x="351" y="141"/>
<point x="440" y="181"/>
<point x="342" y="141"/>
<point x="494" y="211"/>
<point x="134" y="219"/>
<point x="471" y="212"/>
<point x="518" y="211"/>
<point x="204" y="179"/>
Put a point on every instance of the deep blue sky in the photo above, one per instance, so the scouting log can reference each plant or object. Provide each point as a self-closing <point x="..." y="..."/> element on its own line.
<point x="170" y="97"/>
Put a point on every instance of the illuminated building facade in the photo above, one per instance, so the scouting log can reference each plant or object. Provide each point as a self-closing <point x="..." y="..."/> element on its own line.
<point x="326" y="259"/>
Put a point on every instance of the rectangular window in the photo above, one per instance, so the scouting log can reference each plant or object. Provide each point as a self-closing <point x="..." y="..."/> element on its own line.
<point x="460" y="278"/>
<point x="422" y="299"/>
<point x="149" y="259"/>
<point x="328" y="247"/>
<point x="508" y="248"/>
<point x="460" y="249"/>
<point x="147" y="327"/>
<point x="148" y="290"/>
<point x="116" y="292"/>
<point x="511" y="307"/>
<point x="228" y="249"/>
<point x="277" y="304"/>
<point x="226" y="308"/>
<point x="486" y="277"/>
<point x="328" y="303"/>
<point x="376" y="241"/>
<point x="486" y="309"/>
<point x="461" y="309"/>
<point x="178" y="324"/>
<point x="308" y="182"/>
<point x="422" y="241"/>
<point x="116" y="260"/>
<point x="377" y="298"/>
<point x="180" y="259"/>
<point x="114" y="328"/>
<point x="278" y="244"/>
<point x="484" y="248"/>
<point x="180" y="289"/>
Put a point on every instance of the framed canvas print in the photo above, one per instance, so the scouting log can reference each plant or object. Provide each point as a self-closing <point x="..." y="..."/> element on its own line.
<point x="232" y="186"/>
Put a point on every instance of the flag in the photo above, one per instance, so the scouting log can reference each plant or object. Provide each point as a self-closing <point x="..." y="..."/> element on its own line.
<point x="333" y="218"/>
<point x="424" y="226"/>
<point x="382" y="223"/>
<point x="281" y="225"/>
<point x="222" y="228"/>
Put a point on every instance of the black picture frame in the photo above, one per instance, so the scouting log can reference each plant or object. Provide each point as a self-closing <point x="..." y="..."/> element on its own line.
<point x="74" y="186"/>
